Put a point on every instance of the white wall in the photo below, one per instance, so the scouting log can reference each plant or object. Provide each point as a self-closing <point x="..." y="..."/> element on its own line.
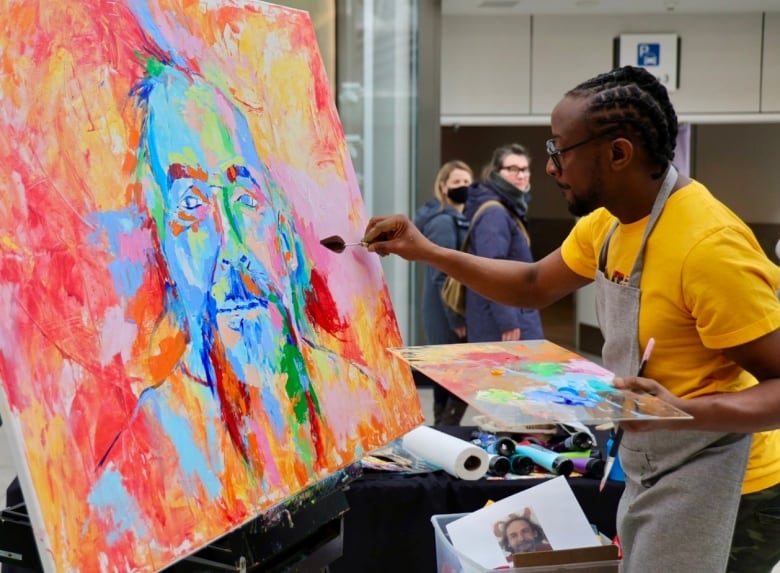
<point x="770" y="87"/>
<point x="485" y="65"/>
<point x="728" y="63"/>
<point x="720" y="57"/>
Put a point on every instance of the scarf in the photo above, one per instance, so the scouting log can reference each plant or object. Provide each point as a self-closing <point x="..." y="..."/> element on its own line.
<point x="512" y="194"/>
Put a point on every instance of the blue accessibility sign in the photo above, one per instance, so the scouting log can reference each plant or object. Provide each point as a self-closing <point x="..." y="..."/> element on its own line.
<point x="648" y="54"/>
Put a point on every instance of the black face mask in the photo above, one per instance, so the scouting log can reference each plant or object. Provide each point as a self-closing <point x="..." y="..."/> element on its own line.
<point x="458" y="195"/>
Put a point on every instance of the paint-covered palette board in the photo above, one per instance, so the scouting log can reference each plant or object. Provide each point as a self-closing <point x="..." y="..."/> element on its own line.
<point x="532" y="382"/>
<point x="179" y="352"/>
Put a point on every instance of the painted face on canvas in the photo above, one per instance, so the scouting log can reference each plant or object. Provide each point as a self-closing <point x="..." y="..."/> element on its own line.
<point x="218" y="229"/>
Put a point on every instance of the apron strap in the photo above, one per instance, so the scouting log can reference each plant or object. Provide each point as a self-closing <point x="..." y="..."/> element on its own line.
<point x="655" y="213"/>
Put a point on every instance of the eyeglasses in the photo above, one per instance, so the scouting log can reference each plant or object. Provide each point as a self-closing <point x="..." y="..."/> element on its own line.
<point x="555" y="153"/>
<point x="515" y="170"/>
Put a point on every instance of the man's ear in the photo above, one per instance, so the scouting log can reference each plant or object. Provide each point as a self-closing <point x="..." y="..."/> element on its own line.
<point x="621" y="152"/>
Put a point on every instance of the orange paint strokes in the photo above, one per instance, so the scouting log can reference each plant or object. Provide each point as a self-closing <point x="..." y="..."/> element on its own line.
<point x="166" y="355"/>
<point x="69" y="64"/>
<point x="146" y="311"/>
<point x="236" y="406"/>
<point x="133" y="190"/>
<point x="71" y="137"/>
<point x="250" y="285"/>
<point x="177" y="228"/>
<point x="181" y="171"/>
<point x="299" y="468"/>
<point x="173" y="514"/>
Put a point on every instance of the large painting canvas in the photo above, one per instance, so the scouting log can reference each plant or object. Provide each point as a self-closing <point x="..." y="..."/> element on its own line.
<point x="179" y="352"/>
<point x="532" y="382"/>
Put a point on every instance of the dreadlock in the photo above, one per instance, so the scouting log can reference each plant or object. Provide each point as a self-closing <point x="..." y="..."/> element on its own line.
<point x="632" y="99"/>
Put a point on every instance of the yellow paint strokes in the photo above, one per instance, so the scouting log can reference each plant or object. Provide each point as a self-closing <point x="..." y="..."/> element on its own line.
<point x="50" y="479"/>
<point x="8" y="244"/>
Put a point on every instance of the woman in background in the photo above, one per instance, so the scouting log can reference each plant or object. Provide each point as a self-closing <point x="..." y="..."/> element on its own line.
<point x="499" y="232"/>
<point x="442" y="222"/>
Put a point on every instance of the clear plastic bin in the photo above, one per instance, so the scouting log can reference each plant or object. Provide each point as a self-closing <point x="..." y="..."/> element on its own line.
<point x="450" y="560"/>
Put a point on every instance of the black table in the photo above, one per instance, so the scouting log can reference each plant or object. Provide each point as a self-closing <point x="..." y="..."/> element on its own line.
<point x="388" y="525"/>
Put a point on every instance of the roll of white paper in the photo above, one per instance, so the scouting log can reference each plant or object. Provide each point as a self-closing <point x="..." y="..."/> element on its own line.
<point x="455" y="456"/>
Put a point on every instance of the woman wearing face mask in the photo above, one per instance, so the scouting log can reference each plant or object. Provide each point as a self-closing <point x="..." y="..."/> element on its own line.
<point x="499" y="232"/>
<point x="441" y="220"/>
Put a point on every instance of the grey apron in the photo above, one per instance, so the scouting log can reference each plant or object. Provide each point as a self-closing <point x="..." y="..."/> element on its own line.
<point x="682" y="489"/>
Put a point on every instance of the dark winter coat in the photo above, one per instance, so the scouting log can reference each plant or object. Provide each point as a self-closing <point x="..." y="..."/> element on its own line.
<point x="495" y="234"/>
<point x="445" y="227"/>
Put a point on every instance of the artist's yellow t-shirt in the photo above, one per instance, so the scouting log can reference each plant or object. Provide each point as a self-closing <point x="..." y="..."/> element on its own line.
<point x="706" y="285"/>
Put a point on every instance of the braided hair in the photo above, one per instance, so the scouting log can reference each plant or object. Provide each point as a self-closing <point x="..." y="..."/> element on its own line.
<point x="631" y="100"/>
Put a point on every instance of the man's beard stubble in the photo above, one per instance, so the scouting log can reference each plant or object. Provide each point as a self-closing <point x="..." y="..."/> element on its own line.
<point x="589" y="201"/>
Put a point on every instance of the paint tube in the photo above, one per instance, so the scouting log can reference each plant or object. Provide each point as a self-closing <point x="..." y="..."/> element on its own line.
<point x="521" y="465"/>
<point x="498" y="465"/>
<point x="549" y="460"/>
<point x="577" y="442"/>
<point x="589" y="467"/>
<point x="493" y="444"/>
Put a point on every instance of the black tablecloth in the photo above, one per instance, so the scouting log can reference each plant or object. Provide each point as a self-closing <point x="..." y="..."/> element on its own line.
<point x="388" y="526"/>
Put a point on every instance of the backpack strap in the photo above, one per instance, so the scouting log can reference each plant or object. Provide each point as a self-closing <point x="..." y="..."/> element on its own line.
<point x="482" y="208"/>
<point x="486" y="205"/>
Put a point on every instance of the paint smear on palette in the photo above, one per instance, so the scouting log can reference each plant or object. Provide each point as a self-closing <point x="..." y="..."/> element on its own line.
<point x="495" y="358"/>
<point x="532" y="382"/>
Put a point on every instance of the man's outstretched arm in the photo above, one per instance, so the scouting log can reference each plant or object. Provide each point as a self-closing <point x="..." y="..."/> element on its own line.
<point x="528" y="285"/>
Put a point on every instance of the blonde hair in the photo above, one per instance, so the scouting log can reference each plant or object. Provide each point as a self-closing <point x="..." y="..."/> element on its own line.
<point x="444" y="174"/>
